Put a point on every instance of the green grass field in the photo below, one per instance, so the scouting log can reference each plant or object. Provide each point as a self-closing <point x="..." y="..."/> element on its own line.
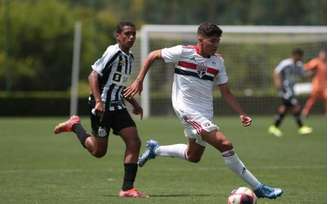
<point x="39" y="167"/>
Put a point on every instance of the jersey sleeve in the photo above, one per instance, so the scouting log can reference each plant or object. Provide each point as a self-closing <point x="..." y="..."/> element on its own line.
<point x="100" y="64"/>
<point x="172" y="54"/>
<point x="279" y="67"/>
<point x="222" y="76"/>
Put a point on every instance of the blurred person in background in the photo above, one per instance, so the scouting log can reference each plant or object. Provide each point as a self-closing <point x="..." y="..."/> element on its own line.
<point x="318" y="67"/>
<point x="284" y="78"/>
<point x="107" y="108"/>
<point x="198" y="69"/>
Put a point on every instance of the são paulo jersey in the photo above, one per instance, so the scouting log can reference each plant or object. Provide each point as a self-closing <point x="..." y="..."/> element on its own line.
<point x="194" y="78"/>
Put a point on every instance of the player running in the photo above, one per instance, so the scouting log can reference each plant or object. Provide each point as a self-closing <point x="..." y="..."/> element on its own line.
<point x="197" y="70"/>
<point x="317" y="65"/>
<point x="107" y="109"/>
<point x="284" y="77"/>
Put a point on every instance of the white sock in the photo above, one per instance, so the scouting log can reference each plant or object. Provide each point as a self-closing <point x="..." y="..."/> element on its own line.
<point x="176" y="150"/>
<point x="232" y="160"/>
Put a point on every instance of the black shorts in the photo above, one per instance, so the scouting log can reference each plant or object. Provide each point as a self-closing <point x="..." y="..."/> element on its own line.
<point x="116" y="120"/>
<point x="290" y="102"/>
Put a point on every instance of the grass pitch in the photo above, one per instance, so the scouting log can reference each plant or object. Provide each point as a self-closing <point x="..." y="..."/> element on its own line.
<point x="40" y="167"/>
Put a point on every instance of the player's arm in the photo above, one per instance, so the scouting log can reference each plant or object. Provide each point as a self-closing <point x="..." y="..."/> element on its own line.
<point x="136" y="86"/>
<point x="277" y="80"/>
<point x="94" y="86"/>
<point x="234" y="104"/>
<point x="137" y="109"/>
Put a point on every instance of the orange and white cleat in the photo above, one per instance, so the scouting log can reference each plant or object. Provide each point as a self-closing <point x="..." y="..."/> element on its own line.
<point x="67" y="125"/>
<point x="132" y="193"/>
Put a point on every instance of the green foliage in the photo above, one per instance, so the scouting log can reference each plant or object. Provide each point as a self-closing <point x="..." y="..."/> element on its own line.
<point x="36" y="36"/>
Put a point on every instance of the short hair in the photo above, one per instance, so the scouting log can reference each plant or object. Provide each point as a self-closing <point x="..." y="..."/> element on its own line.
<point x="120" y="25"/>
<point x="208" y="29"/>
<point x="298" y="51"/>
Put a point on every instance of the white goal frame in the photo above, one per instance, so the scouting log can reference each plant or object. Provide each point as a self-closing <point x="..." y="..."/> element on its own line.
<point x="147" y="29"/>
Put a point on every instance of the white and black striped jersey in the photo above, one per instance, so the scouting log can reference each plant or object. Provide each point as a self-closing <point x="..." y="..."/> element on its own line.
<point x="114" y="69"/>
<point x="289" y="71"/>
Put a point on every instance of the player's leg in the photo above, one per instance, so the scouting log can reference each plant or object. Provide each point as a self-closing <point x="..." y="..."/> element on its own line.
<point x="95" y="145"/>
<point x="231" y="159"/>
<point x="278" y="118"/>
<point x="221" y="143"/>
<point x="191" y="152"/>
<point x="296" y="110"/>
<point x="308" y="105"/>
<point x="126" y="128"/>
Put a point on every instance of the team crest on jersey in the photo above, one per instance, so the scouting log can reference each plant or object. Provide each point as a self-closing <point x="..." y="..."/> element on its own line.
<point x="102" y="132"/>
<point x="201" y="70"/>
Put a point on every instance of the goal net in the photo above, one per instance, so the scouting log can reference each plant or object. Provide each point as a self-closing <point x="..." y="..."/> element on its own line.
<point x="250" y="53"/>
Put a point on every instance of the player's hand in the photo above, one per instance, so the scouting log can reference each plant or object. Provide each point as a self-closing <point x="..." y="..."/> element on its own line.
<point x="138" y="111"/>
<point x="133" y="89"/>
<point x="99" y="108"/>
<point x="245" y="120"/>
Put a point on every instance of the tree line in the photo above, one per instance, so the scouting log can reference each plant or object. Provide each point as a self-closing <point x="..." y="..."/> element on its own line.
<point x="36" y="36"/>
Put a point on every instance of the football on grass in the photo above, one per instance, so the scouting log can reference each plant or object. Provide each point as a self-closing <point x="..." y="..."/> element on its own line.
<point x="242" y="195"/>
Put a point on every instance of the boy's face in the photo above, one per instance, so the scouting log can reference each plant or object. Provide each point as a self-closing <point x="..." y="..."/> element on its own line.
<point x="297" y="57"/>
<point x="127" y="37"/>
<point x="209" y="45"/>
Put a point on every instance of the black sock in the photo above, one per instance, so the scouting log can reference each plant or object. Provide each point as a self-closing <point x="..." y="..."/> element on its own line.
<point x="80" y="132"/>
<point x="278" y="119"/>
<point x="130" y="172"/>
<point x="298" y="119"/>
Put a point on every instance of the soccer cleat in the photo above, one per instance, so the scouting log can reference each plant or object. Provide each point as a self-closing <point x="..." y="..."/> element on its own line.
<point x="275" y="131"/>
<point x="67" y="125"/>
<point x="132" y="193"/>
<point x="151" y="145"/>
<point x="268" y="192"/>
<point x="304" y="130"/>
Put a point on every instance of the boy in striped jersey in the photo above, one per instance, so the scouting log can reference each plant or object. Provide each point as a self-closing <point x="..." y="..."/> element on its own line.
<point x="197" y="70"/>
<point x="107" y="80"/>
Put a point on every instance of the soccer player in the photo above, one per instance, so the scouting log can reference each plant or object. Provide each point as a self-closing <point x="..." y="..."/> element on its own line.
<point x="317" y="65"/>
<point x="107" y="80"/>
<point x="284" y="77"/>
<point x="197" y="70"/>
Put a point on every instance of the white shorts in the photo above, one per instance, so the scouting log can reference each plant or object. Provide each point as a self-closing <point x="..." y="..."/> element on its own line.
<point x="194" y="123"/>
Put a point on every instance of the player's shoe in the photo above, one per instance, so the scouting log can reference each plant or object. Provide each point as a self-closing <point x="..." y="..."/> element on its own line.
<point x="151" y="145"/>
<point x="268" y="192"/>
<point x="304" y="130"/>
<point x="132" y="193"/>
<point x="67" y="125"/>
<point x="275" y="131"/>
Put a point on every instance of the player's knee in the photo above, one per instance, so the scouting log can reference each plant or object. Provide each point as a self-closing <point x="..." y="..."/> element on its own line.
<point x="134" y="144"/>
<point x="194" y="159"/>
<point x="226" y="145"/>
<point x="99" y="153"/>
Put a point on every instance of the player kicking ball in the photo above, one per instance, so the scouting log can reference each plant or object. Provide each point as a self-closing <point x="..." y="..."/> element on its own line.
<point x="197" y="69"/>
<point x="107" y="109"/>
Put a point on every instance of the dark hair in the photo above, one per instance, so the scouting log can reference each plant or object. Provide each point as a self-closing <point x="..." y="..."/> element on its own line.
<point x="298" y="51"/>
<point x="121" y="24"/>
<point x="207" y="29"/>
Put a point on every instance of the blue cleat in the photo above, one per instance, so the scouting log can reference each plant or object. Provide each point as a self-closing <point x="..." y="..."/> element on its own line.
<point x="268" y="192"/>
<point x="151" y="145"/>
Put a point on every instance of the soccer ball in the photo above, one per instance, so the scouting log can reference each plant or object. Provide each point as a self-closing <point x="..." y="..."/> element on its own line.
<point x="242" y="195"/>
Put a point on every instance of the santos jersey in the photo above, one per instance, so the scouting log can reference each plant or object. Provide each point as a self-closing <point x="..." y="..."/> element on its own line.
<point x="114" y="68"/>
<point x="194" y="78"/>
<point x="289" y="72"/>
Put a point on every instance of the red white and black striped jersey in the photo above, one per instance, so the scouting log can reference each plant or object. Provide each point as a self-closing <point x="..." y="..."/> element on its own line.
<point x="114" y="69"/>
<point x="194" y="78"/>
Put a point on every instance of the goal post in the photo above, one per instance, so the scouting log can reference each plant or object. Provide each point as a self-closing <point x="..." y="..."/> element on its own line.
<point x="269" y="44"/>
